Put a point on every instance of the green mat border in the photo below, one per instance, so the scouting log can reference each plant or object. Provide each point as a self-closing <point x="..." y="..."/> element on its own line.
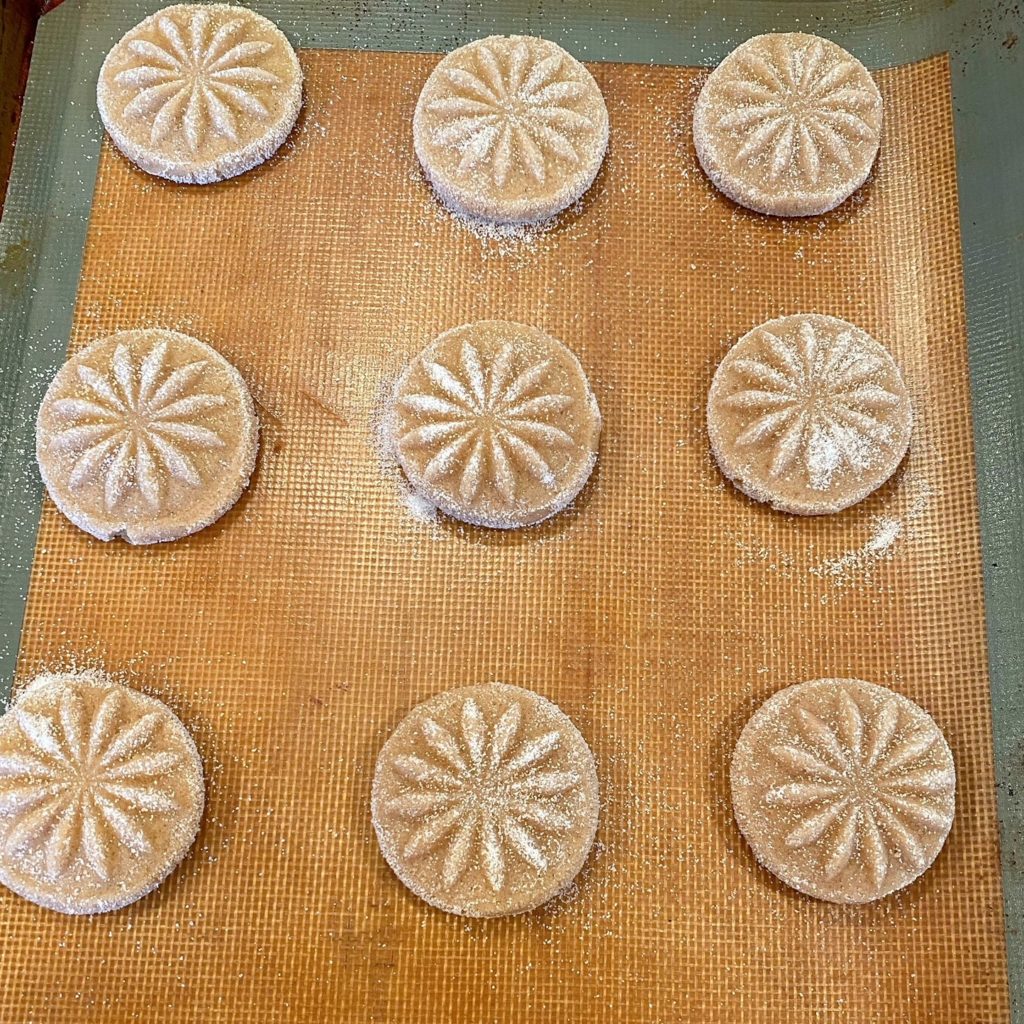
<point x="42" y="236"/>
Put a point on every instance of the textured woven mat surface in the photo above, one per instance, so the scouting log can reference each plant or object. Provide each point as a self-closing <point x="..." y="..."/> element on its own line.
<point x="293" y="635"/>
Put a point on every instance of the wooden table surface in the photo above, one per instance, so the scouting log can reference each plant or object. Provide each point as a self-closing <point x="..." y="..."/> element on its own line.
<point x="17" y="27"/>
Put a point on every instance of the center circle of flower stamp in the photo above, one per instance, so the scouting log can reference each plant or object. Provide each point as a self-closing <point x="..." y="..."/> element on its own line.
<point x="101" y="793"/>
<point x="148" y="435"/>
<point x="510" y="129"/>
<point x="485" y="800"/>
<point x="200" y="92"/>
<point x="788" y="124"/>
<point x="809" y="414"/>
<point x="495" y="423"/>
<point x="845" y="790"/>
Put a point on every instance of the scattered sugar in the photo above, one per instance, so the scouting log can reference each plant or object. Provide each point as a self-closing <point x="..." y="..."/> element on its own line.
<point x="419" y="507"/>
<point x="513" y="242"/>
<point x="775" y="560"/>
<point x="887" y="531"/>
<point x="502" y="239"/>
<point x="856" y="564"/>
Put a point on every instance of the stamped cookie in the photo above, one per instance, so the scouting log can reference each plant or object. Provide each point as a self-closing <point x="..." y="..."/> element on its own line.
<point x="485" y="800"/>
<point x="510" y="129"/>
<point x="147" y="435"/>
<point x="495" y="423"/>
<point x="808" y="413"/>
<point x="788" y="124"/>
<point x="843" y="789"/>
<point x="101" y="793"/>
<point x="200" y="92"/>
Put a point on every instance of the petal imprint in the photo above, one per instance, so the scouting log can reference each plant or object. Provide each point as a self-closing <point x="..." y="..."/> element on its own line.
<point x="844" y="789"/>
<point x="485" y="795"/>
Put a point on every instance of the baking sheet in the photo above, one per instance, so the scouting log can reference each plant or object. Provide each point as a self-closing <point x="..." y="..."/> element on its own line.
<point x="297" y="632"/>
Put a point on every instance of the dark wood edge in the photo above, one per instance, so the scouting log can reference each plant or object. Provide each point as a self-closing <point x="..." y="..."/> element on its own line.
<point x="17" y="29"/>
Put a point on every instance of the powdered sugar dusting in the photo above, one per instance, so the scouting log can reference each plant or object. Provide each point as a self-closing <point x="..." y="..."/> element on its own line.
<point x="888" y="531"/>
<point x="808" y="413"/>
<point x="788" y="124"/>
<point x="510" y="129"/>
<point x="418" y="507"/>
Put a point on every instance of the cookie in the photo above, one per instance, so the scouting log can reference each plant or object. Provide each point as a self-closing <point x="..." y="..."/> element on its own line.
<point x="788" y="124"/>
<point x="510" y="129"/>
<point x="495" y="423"/>
<point x="148" y="435"/>
<point x="809" y="414"/>
<point x="844" y="790"/>
<point x="485" y="800"/>
<point x="101" y="793"/>
<point x="200" y="92"/>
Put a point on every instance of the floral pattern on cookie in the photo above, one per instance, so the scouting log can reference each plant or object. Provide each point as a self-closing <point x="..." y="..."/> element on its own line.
<point x="101" y="792"/>
<point x="198" y="92"/>
<point x="495" y="423"/>
<point x="788" y="124"/>
<point x="809" y="414"/>
<point x="511" y="129"/>
<point x="844" y="789"/>
<point x="485" y="800"/>
<point x="150" y="435"/>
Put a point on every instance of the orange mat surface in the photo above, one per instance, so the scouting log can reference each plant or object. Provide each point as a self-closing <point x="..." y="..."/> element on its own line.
<point x="293" y="635"/>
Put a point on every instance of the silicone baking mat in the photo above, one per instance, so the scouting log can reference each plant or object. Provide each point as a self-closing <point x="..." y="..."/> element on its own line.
<point x="294" y="634"/>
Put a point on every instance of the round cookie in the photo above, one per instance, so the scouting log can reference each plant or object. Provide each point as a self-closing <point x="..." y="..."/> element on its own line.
<point x="148" y="435"/>
<point x="495" y="423"/>
<point x="485" y="800"/>
<point x="510" y="129"/>
<point x="809" y="414"/>
<point x="200" y="92"/>
<point x="788" y="124"/>
<point x="101" y="793"/>
<point x="843" y="789"/>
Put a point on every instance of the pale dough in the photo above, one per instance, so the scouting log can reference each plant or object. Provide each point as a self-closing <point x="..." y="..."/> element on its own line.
<point x="495" y="423"/>
<point x="148" y="435"/>
<point x="200" y="92"/>
<point x="101" y="793"/>
<point x="843" y="789"/>
<point x="510" y="129"/>
<point x="788" y="124"/>
<point x="809" y="414"/>
<point x="485" y="800"/>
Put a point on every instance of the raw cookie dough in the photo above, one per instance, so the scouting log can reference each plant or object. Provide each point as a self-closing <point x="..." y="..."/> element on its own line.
<point x="148" y="435"/>
<point x="495" y="424"/>
<point x="485" y="800"/>
<point x="843" y="789"/>
<point x="788" y="124"/>
<point x="808" y="413"/>
<point x="101" y="793"/>
<point x="510" y="129"/>
<point x="200" y="92"/>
